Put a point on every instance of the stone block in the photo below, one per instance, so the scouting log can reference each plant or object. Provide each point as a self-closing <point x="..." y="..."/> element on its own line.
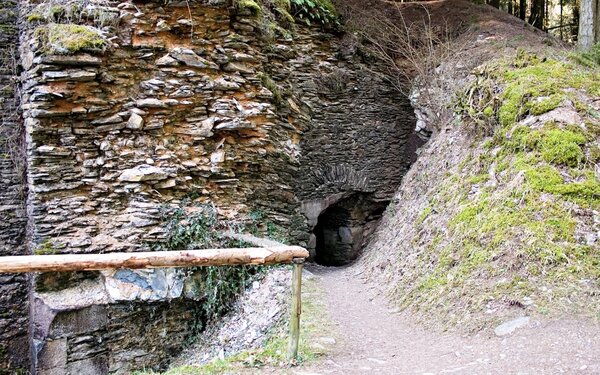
<point x="80" y="321"/>
<point x="53" y="355"/>
<point x="90" y="366"/>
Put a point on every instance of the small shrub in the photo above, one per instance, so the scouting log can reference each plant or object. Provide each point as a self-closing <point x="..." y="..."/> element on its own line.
<point x="196" y="226"/>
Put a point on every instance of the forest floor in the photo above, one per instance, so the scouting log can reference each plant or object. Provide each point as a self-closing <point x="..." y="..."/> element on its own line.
<point x="370" y="337"/>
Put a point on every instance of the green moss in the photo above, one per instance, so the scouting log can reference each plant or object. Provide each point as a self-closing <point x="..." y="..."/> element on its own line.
<point x="428" y="210"/>
<point x="282" y="9"/>
<point x="35" y="17"/>
<point x="562" y="147"/>
<point x="488" y="111"/>
<point x="590" y="59"/>
<point x="248" y="5"/>
<point x="45" y="248"/>
<point x="594" y="154"/>
<point x="536" y="87"/>
<point x="547" y="179"/>
<point x="69" y="38"/>
<point x="546" y="104"/>
<point x="508" y="239"/>
<point x="270" y="85"/>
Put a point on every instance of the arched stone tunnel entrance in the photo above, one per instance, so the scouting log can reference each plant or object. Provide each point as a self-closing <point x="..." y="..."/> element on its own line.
<point x="343" y="228"/>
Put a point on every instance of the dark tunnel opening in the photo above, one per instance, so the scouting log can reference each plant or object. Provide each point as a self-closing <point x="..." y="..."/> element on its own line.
<point x="343" y="229"/>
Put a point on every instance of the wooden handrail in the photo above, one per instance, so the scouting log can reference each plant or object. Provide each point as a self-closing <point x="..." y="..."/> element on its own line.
<point x="155" y="259"/>
<point x="271" y="253"/>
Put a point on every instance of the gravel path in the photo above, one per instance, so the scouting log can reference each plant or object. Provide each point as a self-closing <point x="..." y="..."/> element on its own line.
<point x="375" y="339"/>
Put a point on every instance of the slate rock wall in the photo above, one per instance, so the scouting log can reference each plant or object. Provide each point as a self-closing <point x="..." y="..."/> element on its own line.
<point x="14" y="346"/>
<point x="207" y="103"/>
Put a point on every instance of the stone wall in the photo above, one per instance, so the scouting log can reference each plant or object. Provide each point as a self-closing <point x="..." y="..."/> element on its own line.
<point x="360" y="127"/>
<point x="360" y="136"/>
<point x="13" y="218"/>
<point x="133" y="108"/>
<point x="98" y="336"/>
<point x="171" y="107"/>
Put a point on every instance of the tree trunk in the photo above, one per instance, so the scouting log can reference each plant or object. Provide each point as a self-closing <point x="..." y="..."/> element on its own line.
<point x="597" y="23"/>
<point x="494" y="3"/>
<point x="536" y="18"/>
<point x="588" y="24"/>
<point x="510" y="7"/>
<point x="522" y="9"/>
<point x="561" y="21"/>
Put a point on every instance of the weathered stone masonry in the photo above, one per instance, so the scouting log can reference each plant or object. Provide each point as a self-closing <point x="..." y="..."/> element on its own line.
<point x="13" y="219"/>
<point x="182" y="103"/>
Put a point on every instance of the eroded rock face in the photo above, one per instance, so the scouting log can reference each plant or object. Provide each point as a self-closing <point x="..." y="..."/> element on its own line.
<point x="208" y="108"/>
<point x="13" y="217"/>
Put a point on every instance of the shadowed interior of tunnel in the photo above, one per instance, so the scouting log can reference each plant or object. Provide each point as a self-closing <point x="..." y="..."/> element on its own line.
<point x="343" y="229"/>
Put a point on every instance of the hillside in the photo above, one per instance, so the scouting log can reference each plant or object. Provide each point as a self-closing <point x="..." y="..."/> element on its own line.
<point x="498" y="217"/>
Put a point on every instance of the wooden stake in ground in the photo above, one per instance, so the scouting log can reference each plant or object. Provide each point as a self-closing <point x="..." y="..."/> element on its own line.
<point x="296" y="309"/>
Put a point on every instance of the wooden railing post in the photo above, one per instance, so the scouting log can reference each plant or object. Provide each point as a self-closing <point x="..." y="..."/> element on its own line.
<point x="296" y="311"/>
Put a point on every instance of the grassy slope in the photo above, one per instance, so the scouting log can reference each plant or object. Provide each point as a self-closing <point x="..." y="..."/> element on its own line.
<point x="496" y="218"/>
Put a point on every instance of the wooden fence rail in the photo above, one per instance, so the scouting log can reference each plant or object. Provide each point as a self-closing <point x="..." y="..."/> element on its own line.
<point x="187" y="258"/>
<point x="154" y="259"/>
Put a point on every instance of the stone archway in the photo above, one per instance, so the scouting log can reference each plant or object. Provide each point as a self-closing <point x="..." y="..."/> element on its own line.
<point x="341" y="227"/>
<point x="335" y="239"/>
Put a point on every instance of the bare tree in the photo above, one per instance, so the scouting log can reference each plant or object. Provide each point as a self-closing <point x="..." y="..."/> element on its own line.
<point x="406" y="48"/>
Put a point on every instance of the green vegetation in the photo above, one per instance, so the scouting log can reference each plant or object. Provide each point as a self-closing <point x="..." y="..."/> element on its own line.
<point x="541" y="86"/>
<point x="512" y="235"/>
<point x="315" y="11"/>
<point x="45" y="248"/>
<point x="248" y="5"/>
<point x="315" y="324"/>
<point x="286" y="12"/>
<point x="260" y="226"/>
<point x="590" y="59"/>
<point x="270" y="85"/>
<point x="196" y="226"/>
<point x="68" y="38"/>
<point x="73" y="11"/>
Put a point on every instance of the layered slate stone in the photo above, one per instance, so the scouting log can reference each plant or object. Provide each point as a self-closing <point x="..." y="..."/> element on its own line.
<point x="14" y="346"/>
<point x="181" y="107"/>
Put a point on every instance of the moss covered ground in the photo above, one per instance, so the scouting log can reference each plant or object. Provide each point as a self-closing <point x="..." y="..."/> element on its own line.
<point x="521" y="205"/>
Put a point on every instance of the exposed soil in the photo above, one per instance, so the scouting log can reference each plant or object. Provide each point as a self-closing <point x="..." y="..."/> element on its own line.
<point x="373" y="338"/>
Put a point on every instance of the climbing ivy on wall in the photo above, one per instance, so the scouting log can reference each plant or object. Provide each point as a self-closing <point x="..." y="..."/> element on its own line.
<point x="286" y="12"/>
<point x="315" y="11"/>
<point x="196" y="226"/>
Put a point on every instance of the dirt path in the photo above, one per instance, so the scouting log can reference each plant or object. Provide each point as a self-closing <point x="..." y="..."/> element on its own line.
<point x="374" y="339"/>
